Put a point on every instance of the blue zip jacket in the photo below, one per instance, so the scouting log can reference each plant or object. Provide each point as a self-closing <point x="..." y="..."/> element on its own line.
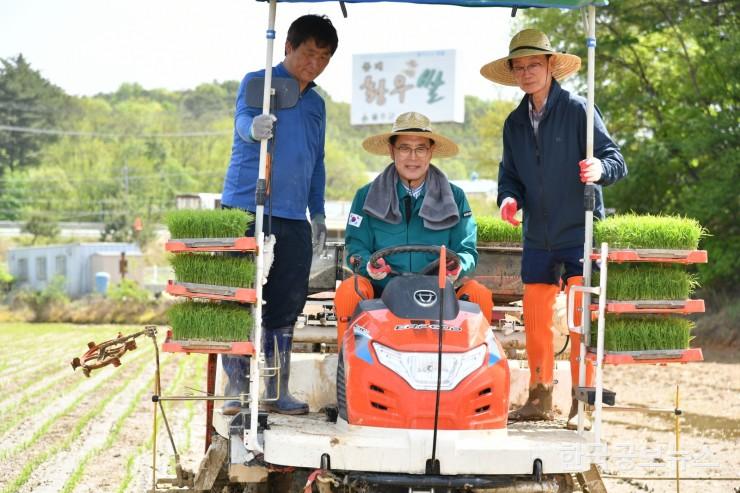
<point x="298" y="173"/>
<point x="365" y="235"/>
<point x="543" y="175"/>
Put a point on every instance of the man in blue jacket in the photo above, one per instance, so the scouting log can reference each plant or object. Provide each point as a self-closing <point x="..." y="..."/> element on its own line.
<point x="543" y="172"/>
<point x="297" y="184"/>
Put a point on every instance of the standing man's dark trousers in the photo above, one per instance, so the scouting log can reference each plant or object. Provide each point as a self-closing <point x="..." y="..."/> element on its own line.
<point x="285" y="295"/>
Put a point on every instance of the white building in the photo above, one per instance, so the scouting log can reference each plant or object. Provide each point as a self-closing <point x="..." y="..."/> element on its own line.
<point x="77" y="263"/>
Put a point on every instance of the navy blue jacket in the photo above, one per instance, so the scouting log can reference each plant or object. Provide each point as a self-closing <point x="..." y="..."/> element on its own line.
<point x="298" y="173"/>
<point x="542" y="173"/>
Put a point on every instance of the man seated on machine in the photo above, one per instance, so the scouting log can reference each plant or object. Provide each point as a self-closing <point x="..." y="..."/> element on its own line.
<point x="410" y="203"/>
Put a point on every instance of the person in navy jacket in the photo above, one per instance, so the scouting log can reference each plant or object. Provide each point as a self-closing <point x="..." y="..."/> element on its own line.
<point x="543" y="172"/>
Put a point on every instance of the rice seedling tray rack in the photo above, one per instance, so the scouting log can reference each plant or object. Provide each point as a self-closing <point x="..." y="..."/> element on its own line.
<point x="678" y="307"/>
<point x="655" y="255"/>
<point x="651" y="357"/>
<point x="206" y="347"/>
<point x="191" y="245"/>
<point x="651" y="307"/>
<point x="211" y="292"/>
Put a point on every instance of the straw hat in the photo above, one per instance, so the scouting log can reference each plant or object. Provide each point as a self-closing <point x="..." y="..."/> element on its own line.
<point x="530" y="42"/>
<point x="411" y="123"/>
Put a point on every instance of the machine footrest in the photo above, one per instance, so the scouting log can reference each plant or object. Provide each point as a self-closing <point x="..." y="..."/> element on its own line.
<point x="588" y="395"/>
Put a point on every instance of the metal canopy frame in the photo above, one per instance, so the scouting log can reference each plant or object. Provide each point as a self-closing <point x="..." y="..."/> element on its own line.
<point x="251" y="439"/>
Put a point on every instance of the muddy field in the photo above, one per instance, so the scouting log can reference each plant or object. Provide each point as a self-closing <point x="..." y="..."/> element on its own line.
<point x="62" y="432"/>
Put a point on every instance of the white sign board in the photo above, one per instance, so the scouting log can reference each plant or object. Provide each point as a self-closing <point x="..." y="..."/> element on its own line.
<point x="385" y="85"/>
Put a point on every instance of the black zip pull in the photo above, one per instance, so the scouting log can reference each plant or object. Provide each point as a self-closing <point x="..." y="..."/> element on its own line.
<point x="407" y="207"/>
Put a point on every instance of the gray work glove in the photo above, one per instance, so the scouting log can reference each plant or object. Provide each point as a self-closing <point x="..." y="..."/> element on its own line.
<point x="262" y="127"/>
<point x="318" y="233"/>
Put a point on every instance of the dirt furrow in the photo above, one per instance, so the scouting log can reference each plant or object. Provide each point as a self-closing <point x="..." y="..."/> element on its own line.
<point x="52" y="407"/>
<point x="182" y="425"/>
<point x="118" y="469"/>
<point x="53" y="474"/>
<point x="60" y="431"/>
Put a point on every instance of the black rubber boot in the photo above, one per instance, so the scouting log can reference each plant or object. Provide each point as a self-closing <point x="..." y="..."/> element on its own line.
<point x="286" y="404"/>
<point x="237" y="371"/>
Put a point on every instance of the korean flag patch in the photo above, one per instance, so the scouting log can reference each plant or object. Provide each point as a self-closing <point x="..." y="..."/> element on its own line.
<point x="354" y="220"/>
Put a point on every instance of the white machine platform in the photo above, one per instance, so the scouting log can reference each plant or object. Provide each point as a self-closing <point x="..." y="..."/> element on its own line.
<point x="300" y="441"/>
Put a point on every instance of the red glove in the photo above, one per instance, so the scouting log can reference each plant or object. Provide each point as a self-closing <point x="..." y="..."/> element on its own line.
<point x="378" y="273"/>
<point x="453" y="272"/>
<point x="591" y="170"/>
<point x="508" y="210"/>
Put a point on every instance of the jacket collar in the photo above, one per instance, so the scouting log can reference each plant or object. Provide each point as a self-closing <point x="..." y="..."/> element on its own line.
<point x="281" y="71"/>
<point x="521" y="113"/>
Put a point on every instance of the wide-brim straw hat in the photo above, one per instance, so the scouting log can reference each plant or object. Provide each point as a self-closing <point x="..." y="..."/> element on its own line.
<point x="530" y="42"/>
<point x="411" y="123"/>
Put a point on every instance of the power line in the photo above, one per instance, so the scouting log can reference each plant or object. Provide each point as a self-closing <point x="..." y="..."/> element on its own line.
<point x="116" y="178"/>
<point x="75" y="133"/>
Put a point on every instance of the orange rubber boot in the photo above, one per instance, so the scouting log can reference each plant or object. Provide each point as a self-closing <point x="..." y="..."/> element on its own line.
<point x="538" y="302"/>
<point x="480" y="295"/>
<point x="346" y="300"/>
<point x="575" y="351"/>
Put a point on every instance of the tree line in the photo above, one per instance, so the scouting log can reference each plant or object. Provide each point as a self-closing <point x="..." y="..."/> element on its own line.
<point x="667" y="84"/>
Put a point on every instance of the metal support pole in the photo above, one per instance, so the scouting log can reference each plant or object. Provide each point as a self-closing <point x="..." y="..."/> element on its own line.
<point x="589" y="200"/>
<point x="599" y="365"/>
<point x="251" y="440"/>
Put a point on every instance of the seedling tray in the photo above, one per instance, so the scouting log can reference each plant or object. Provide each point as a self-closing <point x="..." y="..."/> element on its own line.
<point x="206" y="347"/>
<point x="211" y="292"/>
<point x="648" y="357"/>
<point x="681" y="307"/>
<point x="655" y="255"/>
<point x="241" y="244"/>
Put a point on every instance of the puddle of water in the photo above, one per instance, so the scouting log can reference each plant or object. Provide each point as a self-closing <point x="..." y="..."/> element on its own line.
<point x="712" y="426"/>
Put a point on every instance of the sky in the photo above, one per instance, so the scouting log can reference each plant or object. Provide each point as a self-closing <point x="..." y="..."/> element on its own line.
<point x="92" y="46"/>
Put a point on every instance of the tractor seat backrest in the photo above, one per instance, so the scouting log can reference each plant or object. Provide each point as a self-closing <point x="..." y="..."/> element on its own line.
<point x="417" y="297"/>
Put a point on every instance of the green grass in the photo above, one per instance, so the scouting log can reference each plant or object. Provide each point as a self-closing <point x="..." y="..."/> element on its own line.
<point x="494" y="230"/>
<point x="648" y="231"/>
<point x="640" y="281"/>
<point x="221" y="270"/>
<point x="210" y="321"/>
<point x="644" y="333"/>
<point x="218" y="223"/>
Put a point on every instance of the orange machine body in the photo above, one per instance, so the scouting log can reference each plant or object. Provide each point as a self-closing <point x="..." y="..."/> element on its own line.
<point x="372" y="393"/>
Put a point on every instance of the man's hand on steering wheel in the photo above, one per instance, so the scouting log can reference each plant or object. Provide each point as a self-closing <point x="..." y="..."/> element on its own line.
<point x="380" y="270"/>
<point x="453" y="270"/>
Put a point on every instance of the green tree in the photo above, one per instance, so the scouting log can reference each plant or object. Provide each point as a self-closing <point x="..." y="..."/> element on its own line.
<point x="345" y="173"/>
<point x="27" y="101"/>
<point x="41" y="225"/>
<point x="667" y="81"/>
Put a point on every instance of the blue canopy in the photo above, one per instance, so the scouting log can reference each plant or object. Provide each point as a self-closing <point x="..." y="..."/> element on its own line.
<point x="559" y="4"/>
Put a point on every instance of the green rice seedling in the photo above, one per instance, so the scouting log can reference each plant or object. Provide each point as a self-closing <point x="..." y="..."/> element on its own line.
<point x="644" y="333"/>
<point x="494" y="230"/>
<point x="642" y="281"/>
<point x="217" y="223"/>
<point x="210" y="321"/>
<point x="648" y="231"/>
<point x="220" y="270"/>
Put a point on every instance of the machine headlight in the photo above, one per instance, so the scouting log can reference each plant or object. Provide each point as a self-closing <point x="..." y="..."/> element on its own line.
<point x="420" y="369"/>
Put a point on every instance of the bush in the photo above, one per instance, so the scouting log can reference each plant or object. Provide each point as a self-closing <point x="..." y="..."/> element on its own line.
<point x="47" y="303"/>
<point x="6" y="280"/>
<point x="127" y="290"/>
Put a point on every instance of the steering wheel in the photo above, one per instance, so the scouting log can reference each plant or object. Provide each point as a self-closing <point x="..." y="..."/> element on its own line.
<point x="453" y="259"/>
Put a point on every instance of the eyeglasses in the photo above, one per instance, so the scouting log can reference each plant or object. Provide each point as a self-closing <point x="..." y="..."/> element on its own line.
<point x="531" y="68"/>
<point x="420" y="152"/>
